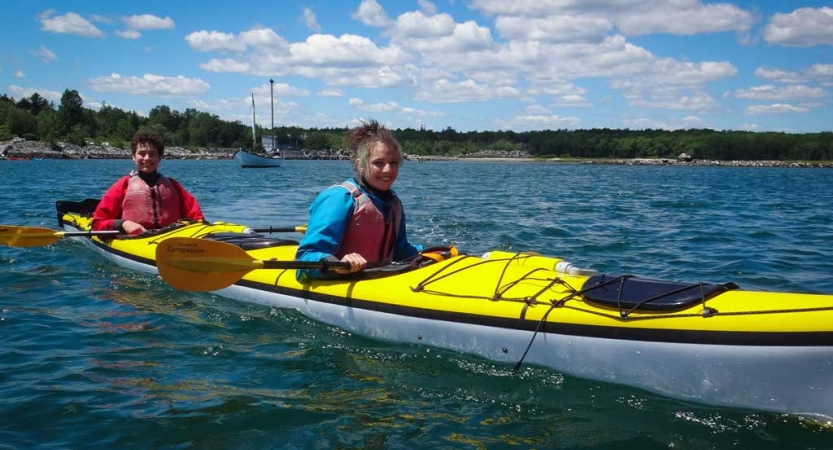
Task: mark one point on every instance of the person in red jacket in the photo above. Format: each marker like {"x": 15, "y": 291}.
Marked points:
{"x": 145, "y": 199}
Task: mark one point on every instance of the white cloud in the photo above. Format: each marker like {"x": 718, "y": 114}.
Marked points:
{"x": 692, "y": 121}
{"x": 817, "y": 72}
{"x": 346, "y": 60}
{"x": 260, "y": 38}
{"x": 778, "y": 75}
{"x": 335, "y": 60}
{"x": 691, "y": 101}
{"x": 770, "y": 92}
{"x": 674, "y": 85}
{"x": 682, "y": 17}
{"x": 804, "y": 27}
{"x": 144, "y": 22}
{"x": 379, "y": 77}
{"x": 69, "y": 23}
{"x": 572, "y": 101}
{"x": 222, "y": 105}
{"x": 427, "y": 7}
{"x": 389, "y": 107}
{"x": 149, "y": 84}
{"x": 777, "y": 108}
{"x": 631, "y": 17}
{"x": 416, "y": 24}
{"x": 225, "y": 65}
{"x": 280, "y": 90}
{"x": 544, "y": 84}
{"x": 148, "y": 22}
{"x": 331, "y": 93}
{"x": 345, "y": 50}
{"x": 44, "y": 54}
{"x": 371, "y": 14}
{"x": 540, "y": 122}
{"x": 21, "y": 92}
{"x": 129, "y": 34}
{"x": 100, "y": 19}
{"x": 554, "y": 28}
{"x": 824, "y": 71}
{"x": 644, "y": 123}
{"x": 537, "y": 110}
{"x": 207, "y": 41}
{"x": 308, "y": 18}
{"x": 373, "y": 107}
{"x": 19, "y": 74}
{"x": 445, "y": 91}
{"x": 439, "y": 34}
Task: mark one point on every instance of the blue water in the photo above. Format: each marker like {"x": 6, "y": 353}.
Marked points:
{"x": 95, "y": 356}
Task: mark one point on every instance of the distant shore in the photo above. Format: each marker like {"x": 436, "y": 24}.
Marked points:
{"x": 27, "y": 150}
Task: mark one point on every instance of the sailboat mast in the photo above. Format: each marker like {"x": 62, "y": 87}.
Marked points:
{"x": 254, "y": 130}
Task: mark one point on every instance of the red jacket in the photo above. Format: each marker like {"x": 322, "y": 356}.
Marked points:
{"x": 108, "y": 214}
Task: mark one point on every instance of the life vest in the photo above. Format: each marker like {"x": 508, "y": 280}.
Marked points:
{"x": 152, "y": 207}
{"x": 367, "y": 232}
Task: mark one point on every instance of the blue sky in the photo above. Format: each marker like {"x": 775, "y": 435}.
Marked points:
{"x": 466, "y": 64}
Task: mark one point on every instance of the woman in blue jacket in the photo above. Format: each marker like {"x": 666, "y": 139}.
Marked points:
{"x": 361, "y": 220}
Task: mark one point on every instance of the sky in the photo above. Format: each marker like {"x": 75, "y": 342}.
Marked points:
{"x": 472, "y": 65}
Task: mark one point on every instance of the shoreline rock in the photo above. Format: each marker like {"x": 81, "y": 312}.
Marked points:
{"x": 22, "y": 149}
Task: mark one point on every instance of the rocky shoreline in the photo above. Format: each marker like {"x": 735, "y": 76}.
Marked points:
{"x": 19, "y": 149}
{"x": 22, "y": 149}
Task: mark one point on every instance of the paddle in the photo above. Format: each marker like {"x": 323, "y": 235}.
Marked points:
{"x": 204, "y": 265}
{"x": 15, "y": 236}
{"x": 298, "y": 229}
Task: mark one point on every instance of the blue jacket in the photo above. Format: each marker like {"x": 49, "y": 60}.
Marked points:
{"x": 328, "y": 217}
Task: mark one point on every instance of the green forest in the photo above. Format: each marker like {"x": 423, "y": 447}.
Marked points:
{"x": 34, "y": 118}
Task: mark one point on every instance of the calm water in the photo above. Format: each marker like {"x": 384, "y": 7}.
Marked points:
{"x": 95, "y": 356}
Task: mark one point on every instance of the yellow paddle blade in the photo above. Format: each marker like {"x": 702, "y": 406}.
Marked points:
{"x": 202, "y": 265}
{"x": 15, "y": 236}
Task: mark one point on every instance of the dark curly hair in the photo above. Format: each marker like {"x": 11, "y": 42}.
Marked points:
{"x": 362, "y": 139}
{"x": 147, "y": 137}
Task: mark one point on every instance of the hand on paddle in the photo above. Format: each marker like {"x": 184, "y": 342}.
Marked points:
{"x": 356, "y": 261}
{"x": 131, "y": 227}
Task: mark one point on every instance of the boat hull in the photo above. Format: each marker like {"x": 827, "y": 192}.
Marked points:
{"x": 764, "y": 360}
{"x": 251, "y": 160}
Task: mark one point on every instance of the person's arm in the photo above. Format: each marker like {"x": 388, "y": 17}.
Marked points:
{"x": 189, "y": 206}
{"x": 107, "y": 215}
{"x": 329, "y": 214}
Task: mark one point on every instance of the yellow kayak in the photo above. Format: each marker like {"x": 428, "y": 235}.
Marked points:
{"x": 710, "y": 343}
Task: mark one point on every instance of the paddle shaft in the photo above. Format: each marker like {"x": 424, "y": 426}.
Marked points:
{"x": 88, "y": 233}
{"x": 305, "y": 265}
{"x": 299, "y": 229}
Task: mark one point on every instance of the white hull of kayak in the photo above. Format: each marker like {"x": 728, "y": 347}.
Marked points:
{"x": 787, "y": 379}
{"x": 713, "y": 374}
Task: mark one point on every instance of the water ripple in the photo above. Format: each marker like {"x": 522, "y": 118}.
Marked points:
{"x": 110, "y": 358}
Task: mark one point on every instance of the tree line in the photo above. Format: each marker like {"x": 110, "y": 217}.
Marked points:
{"x": 35, "y": 118}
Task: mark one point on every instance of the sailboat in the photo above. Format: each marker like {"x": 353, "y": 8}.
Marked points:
{"x": 249, "y": 159}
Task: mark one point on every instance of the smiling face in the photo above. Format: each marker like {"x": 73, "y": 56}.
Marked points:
{"x": 146, "y": 157}
{"x": 382, "y": 167}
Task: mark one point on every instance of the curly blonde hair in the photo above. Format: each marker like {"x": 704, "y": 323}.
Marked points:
{"x": 362, "y": 139}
